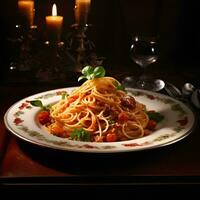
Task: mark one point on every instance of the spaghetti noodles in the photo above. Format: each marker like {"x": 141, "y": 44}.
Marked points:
{"x": 101, "y": 109}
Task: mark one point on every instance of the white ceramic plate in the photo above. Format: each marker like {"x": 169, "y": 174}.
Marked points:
{"x": 178, "y": 122}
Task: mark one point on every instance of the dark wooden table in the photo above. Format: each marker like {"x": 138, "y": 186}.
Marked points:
{"x": 22, "y": 163}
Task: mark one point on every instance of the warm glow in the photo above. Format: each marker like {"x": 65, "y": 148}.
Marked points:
{"x": 54, "y": 25}
{"x": 82, "y": 8}
{"x": 26, "y": 10}
{"x": 54, "y": 10}
{"x": 83, "y": 1}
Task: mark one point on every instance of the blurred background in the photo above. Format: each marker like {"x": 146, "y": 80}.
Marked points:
{"x": 113, "y": 24}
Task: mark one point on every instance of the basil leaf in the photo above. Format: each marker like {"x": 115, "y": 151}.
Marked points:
{"x": 90, "y": 72}
{"x": 119, "y": 87}
{"x": 64, "y": 94}
{"x": 87, "y": 70}
{"x": 36, "y": 103}
{"x": 47, "y": 107}
{"x": 81, "y": 78}
{"x": 156, "y": 116}
{"x": 80, "y": 135}
{"x": 91, "y": 76}
{"x": 99, "y": 72}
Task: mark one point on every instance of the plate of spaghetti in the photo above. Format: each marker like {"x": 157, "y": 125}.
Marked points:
{"x": 100, "y": 116}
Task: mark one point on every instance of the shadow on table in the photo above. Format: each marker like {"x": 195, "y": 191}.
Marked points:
{"x": 151, "y": 162}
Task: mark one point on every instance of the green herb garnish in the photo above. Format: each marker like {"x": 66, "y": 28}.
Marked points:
{"x": 39, "y": 103}
{"x": 64, "y": 95}
{"x": 119, "y": 86}
{"x": 90, "y": 72}
{"x": 80, "y": 135}
{"x": 156, "y": 116}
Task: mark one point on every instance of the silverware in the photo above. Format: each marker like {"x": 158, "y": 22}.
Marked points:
{"x": 195, "y": 98}
{"x": 192, "y": 93}
{"x": 158, "y": 85}
{"x": 188, "y": 95}
{"x": 173, "y": 91}
{"x": 188, "y": 89}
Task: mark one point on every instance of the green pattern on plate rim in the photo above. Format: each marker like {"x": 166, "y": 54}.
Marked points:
{"x": 181, "y": 123}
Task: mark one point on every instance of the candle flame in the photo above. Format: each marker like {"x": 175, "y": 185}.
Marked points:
{"x": 54, "y": 10}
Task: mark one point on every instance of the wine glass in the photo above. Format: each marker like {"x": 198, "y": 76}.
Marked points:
{"x": 144, "y": 51}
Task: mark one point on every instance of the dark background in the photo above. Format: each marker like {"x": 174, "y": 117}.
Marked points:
{"x": 114, "y": 21}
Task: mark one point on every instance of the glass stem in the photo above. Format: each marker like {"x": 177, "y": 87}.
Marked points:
{"x": 142, "y": 78}
{"x": 143, "y": 73}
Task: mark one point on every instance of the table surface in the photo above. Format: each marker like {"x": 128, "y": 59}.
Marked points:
{"x": 28, "y": 163}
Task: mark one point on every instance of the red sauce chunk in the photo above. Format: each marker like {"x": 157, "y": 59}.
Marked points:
{"x": 44, "y": 117}
{"x": 128, "y": 102}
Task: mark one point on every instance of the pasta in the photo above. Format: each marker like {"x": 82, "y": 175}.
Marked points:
{"x": 101, "y": 109}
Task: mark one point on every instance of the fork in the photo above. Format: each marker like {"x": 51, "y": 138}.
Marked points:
{"x": 191, "y": 101}
{"x": 174, "y": 92}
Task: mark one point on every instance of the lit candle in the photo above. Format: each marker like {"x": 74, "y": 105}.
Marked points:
{"x": 82, "y": 8}
{"x": 26, "y": 10}
{"x": 54, "y": 25}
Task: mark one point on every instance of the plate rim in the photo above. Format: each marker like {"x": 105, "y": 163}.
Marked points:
{"x": 85, "y": 150}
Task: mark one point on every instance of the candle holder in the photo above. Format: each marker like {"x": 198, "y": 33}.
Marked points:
{"x": 54, "y": 63}
{"x": 24, "y": 40}
{"x": 81, "y": 48}
{"x": 24, "y": 47}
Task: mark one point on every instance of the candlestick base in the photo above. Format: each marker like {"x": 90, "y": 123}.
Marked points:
{"x": 81, "y": 48}
{"x": 23, "y": 47}
{"x": 55, "y": 63}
